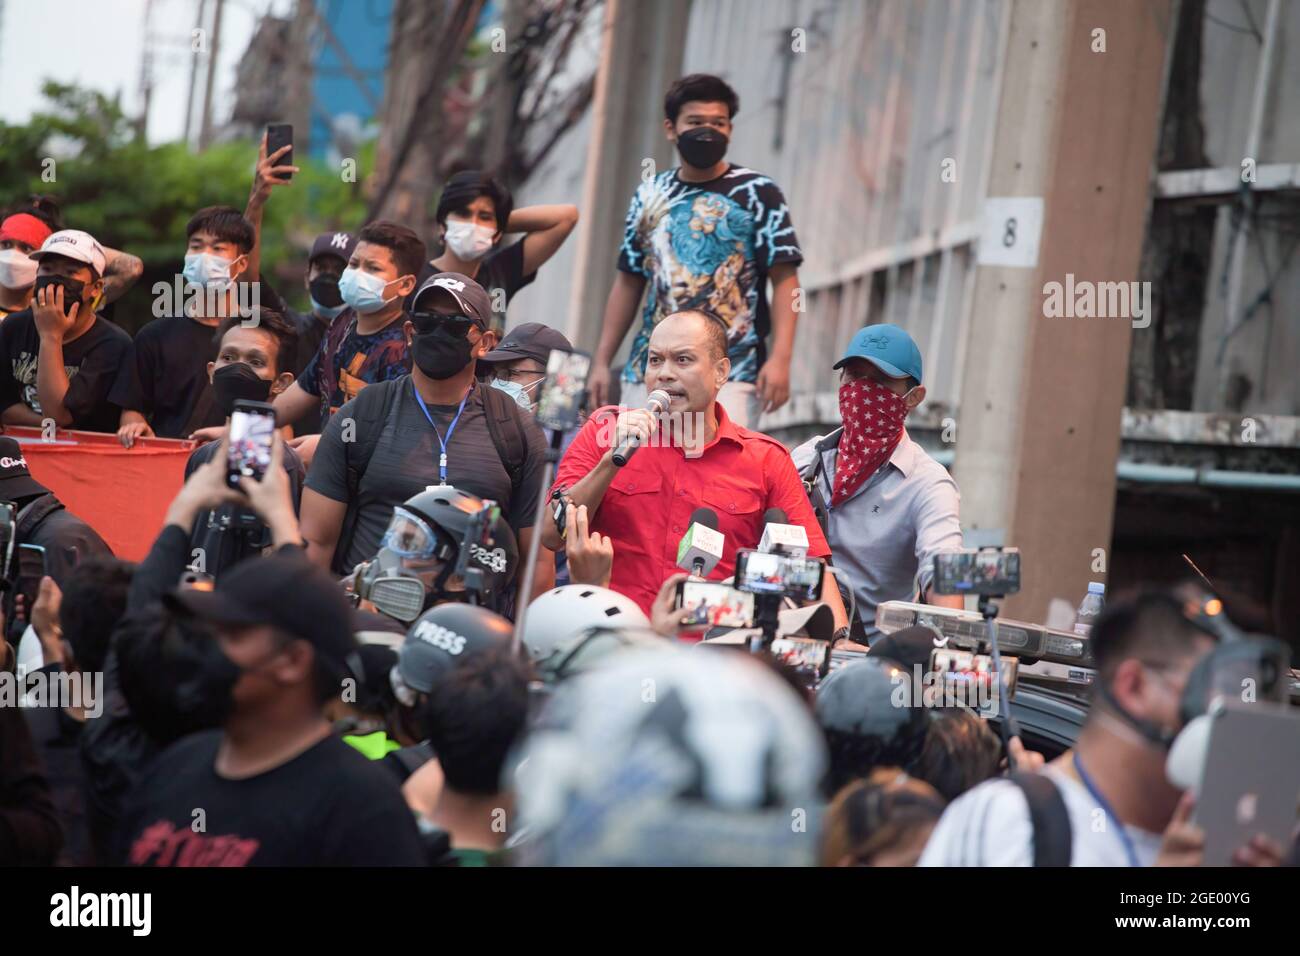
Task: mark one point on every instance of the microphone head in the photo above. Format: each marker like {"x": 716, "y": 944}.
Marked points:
{"x": 774, "y": 516}
{"x": 658, "y": 400}
{"x": 705, "y": 516}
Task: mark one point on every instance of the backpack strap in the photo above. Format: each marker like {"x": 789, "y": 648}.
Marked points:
{"x": 507, "y": 431}
{"x": 369, "y": 416}
{"x": 812, "y": 481}
{"x": 1053, "y": 838}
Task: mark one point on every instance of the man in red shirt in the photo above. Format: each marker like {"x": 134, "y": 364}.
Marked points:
{"x": 695, "y": 456}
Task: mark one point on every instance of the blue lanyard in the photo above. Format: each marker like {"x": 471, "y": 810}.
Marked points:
{"x": 442, "y": 442}
{"x": 1106, "y": 809}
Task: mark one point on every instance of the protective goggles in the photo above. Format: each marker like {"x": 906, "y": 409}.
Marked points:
{"x": 409, "y": 536}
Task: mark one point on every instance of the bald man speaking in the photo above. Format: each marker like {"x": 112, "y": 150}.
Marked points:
{"x": 692, "y": 456}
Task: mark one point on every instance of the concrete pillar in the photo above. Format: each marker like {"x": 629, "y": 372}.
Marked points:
{"x": 641, "y": 54}
{"x": 1039, "y": 427}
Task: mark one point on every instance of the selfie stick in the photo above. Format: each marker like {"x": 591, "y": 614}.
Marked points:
{"x": 1009, "y": 730}
{"x": 530, "y": 566}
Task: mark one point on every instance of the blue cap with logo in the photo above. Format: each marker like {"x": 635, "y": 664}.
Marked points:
{"x": 888, "y": 348}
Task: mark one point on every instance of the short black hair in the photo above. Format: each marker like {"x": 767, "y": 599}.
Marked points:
{"x": 960, "y": 752}
{"x": 44, "y": 208}
{"x": 274, "y": 324}
{"x": 225, "y": 223}
{"x": 405, "y": 246}
{"x": 715, "y": 327}
{"x": 699, "y": 88}
{"x": 464, "y": 187}
{"x": 94, "y": 600}
{"x": 1147, "y": 624}
{"x": 473, "y": 715}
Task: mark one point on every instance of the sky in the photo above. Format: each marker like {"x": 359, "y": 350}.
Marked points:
{"x": 98, "y": 44}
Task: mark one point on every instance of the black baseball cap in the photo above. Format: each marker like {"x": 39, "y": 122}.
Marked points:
{"x": 15, "y": 480}
{"x": 337, "y": 244}
{"x": 470, "y": 297}
{"x": 533, "y": 340}
{"x": 286, "y": 591}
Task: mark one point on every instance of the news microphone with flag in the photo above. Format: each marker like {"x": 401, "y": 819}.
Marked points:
{"x": 656, "y": 403}
{"x": 779, "y": 537}
{"x": 701, "y": 547}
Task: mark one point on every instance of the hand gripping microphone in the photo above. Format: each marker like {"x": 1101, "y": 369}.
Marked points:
{"x": 656, "y": 403}
{"x": 782, "y": 538}
{"x": 701, "y": 547}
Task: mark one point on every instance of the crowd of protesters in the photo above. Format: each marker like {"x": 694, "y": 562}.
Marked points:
{"x": 340, "y": 681}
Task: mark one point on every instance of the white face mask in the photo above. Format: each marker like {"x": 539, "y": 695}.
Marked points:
{"x": 17, "y": 271}
{"x": 468, "y": 241}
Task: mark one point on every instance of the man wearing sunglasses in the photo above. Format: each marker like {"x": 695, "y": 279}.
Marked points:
{"x": 438, "y": 425}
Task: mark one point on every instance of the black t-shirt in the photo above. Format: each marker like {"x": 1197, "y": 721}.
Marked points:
{"x": 230, "y": 533}
{"x": 329, "y": 806}
{"x": 168, "y": 382}
{"x": 93, "y": 361}
{"x": 405, "y": 462}
{"x": 503, "y": 269}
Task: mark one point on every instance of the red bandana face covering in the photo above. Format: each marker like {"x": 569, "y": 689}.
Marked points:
{"x": 873, "y": 424}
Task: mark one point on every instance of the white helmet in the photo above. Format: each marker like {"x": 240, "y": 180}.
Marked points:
{"x": 560, "y": 616}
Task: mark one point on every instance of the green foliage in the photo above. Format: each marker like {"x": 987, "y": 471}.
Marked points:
{"x": 137, "y": 197}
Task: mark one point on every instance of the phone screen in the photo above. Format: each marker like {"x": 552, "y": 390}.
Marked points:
{"x": 966, "y": 678}
{"x": 714, "y": 605}
{"x": 252, "y": 427}
{"x": 987, "y": 571}
{"x": 762, "y": 573}
{"x": 562, "y": 392}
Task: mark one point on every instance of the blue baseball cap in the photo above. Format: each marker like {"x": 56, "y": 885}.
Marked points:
{"x": 888, "y": 348}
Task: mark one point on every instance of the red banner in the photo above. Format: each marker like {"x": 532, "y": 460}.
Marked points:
{"x": 122, "y": 493}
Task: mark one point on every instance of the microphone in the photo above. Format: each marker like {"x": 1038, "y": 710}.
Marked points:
{"x": 701, "y": 546}
{"x": 782, "y": 538}
{"x": 656, "y": 402}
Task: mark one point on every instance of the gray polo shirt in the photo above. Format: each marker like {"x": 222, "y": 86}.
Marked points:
{"x": 886, "y": 535}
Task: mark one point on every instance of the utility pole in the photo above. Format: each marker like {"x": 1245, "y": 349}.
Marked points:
{"x": 194, "y": 73}
{"x": 205, "y": 129}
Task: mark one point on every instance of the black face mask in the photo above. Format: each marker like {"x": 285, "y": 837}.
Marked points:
{"x": 203, "y": 680}
{"x": 237, "y": 381}
{"x": 702, "y": 147}
{"x": 325, "y": 290}
{"x": 441, "y": 353}
{"x": 72, "y": 290}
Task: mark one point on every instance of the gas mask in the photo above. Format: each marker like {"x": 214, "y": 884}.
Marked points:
{"x": 411, "y": 570}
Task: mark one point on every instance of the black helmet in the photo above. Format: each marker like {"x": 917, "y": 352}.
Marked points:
{"x": 444, "y": 636}
{"x": 421, "y": 550}
{"x": 867, "y": 713}
{"x": 452, "y": 512}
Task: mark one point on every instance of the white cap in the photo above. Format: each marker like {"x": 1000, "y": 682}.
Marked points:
{"x": 74, "y": 244}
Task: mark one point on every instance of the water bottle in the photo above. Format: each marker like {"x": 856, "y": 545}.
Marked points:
{"x": 1089, "y": 608}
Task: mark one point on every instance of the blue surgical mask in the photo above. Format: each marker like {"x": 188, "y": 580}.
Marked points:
{"x": 324, "y": 311}
{"x": 363, "y": 291}
{"x": 516, "y": 391}
{"x": 205, "y": 269}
